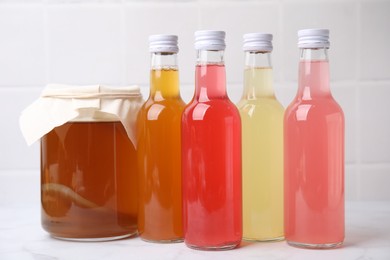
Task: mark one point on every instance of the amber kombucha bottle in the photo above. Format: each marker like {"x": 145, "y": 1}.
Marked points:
{"x": 159, "y": 147}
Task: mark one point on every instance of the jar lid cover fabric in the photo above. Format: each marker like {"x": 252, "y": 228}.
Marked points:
{"x": 59, "y": 104}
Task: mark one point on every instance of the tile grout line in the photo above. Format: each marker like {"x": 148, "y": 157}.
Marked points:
{"x": 123, "y": 80}
{"x": 357, "y": 105}
{"x": 199, "y": 8}
{"x": 281, "y": 39}
{"x": 46, "y": 41}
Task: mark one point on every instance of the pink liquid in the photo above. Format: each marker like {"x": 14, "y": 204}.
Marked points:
{"x": 211, "y": 164}
{"x": 314, "y": 161}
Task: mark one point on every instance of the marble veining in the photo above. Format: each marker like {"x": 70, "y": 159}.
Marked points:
{"x": 21, "y": 237}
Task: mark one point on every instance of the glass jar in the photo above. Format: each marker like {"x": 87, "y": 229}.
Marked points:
{"x": 89, "y": 166}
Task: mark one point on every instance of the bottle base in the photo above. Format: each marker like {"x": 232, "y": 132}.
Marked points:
{"x": 213, "y": 248}
{"x": 315, "y": 246}
{"x": 273, "y": 239}
{"x": 163, "y": 241}
{"x": 97, "y": 239}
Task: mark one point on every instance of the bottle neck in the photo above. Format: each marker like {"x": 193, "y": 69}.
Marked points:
{"x": 210, "y": 75}
{"x": 313, "y": 74}
{"x": 164, "y": 76}
{"x": 258, "y": 75}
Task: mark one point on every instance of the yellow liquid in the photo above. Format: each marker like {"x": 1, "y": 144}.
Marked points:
{"x": 262, "y": 157}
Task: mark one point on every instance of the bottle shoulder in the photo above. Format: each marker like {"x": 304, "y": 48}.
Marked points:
{"x": 167, "y": 109}
{"x": 303, "y": 110}
{"x": 250, "y": 112}
{"x": 328, "y": 102}
{"x": 222, "y": 102}
{"x": 215, "y": 107}
{"x": 166, "y": 102}
{"x": 269, "y": 104}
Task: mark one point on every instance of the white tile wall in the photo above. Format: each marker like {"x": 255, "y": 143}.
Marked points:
{"x": 84, "y": 43}
{"x": 144, "y": 19}
{"x": 374, "y": 182}
{"x": 251, "y": 17}
{"x": 15, "y": 154}
{"x": 375, "y": 42}
{"x": 374, "y": 122}
{"x": 338, "y": 16}
{"x": 22, "y": 53}
{"x": 22, "y": 188}
{"x": 351, "y": 182}
{"x": 106, "y": 41}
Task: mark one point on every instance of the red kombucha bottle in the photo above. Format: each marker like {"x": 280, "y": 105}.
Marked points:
{"x": 211, "y": 154}
{"x": 314, "y": 152}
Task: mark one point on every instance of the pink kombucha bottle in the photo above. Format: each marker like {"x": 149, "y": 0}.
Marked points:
{"x": 211, "y": 154}
{"x": 314, "y": 152}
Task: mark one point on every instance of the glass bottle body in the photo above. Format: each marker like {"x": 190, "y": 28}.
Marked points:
{"x": 211, "y": 154}
{"x": 314, "y": 159}
{"x": 159, "y": 151}
{"x": 262, "y": 151}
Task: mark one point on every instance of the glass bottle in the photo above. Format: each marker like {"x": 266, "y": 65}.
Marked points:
{"x": 211, "y": 153}
{"x": 159, "y": 147}
{"x": 314, "y": 152}
{"x": 262, "y": 144}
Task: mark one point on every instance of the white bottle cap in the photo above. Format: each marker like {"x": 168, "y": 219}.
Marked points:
{"x": 257, "y": 42}
{"x": 210, "y": 40}
{"x": 313, "y": 38}
{"x": 163, "y": 43}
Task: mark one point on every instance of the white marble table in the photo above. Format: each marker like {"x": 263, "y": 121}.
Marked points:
{"x": 21, "y": 236}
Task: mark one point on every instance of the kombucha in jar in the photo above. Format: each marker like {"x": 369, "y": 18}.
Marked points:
{"x": 88, "y": 163}
{"x": 89, "y": 181}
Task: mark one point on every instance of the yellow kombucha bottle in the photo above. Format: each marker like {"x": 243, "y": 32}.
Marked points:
{"x": 159, "y": 147}
{"x": 262, "y": 144}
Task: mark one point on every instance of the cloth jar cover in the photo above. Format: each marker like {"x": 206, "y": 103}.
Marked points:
{"x": 59, "y": 104}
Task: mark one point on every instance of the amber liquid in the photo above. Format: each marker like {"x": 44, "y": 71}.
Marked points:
{"x": 159, "y": 160}
{"x": 89, "y": 181}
